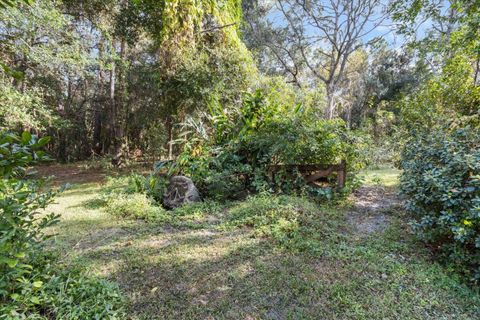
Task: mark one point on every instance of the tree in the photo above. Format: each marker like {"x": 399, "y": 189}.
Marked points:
{"x": 317, "y": 38}
{"x": 450, "y": 27}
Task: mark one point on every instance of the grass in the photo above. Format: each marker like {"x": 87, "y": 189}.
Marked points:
{"x": 200, "y": 269}
{"x": 385, "y": 176}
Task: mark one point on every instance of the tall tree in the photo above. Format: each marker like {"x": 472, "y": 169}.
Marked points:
{"x": 316, "y": 38}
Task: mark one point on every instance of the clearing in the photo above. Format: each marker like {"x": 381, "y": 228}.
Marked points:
{"x": 369, "y": 265}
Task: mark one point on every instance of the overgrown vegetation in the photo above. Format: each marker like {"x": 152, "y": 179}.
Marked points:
{"x": 441, "y": 164}
{"x": 31, "y": 285}
{"x": 257, "y": 117}
{"x": 218, "y": 264}
{"x": 244, "y": 147}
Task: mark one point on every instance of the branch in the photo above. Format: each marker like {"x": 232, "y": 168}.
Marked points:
{"x": 217, "y": 28}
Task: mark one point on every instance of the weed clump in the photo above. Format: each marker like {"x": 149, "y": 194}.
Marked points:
{"x": 291, "y": 222}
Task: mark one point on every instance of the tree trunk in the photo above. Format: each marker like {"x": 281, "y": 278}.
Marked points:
{"x": 113, "y": 114}
{"x": 349, "y": 116}
{"x": 476, "y": 80}
{"x": 97, "y": 142}
{"x": 169, "y": 127}
{"x": 97, "y": 130}
{"x": 116, "y": 104}
{"x": 330, "y": 101}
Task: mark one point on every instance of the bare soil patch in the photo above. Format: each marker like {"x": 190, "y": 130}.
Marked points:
{"x": 371, "y": 204}
{"x": 73, "y": 173}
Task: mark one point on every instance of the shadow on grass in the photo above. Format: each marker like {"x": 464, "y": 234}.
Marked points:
{"x": 91, "y": 204}
{"x": 172, "y": 273}
{"x": 248, "y": 280}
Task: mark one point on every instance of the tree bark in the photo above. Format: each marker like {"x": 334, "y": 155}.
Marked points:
{"x": 116, "y": 101}
{"x": 169, "y": 127}
{"x": 98, "y": 145}
{"x": 330, "y": 101}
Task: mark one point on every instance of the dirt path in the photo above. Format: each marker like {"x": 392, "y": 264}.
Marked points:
{"x": 371, "y": 205}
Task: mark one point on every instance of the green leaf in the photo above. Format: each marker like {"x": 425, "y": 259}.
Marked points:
{"x": 37, "y": 284}
{"x": 35, "y": 300}
{"x": 20, "y": 255}
{"x": 42, "y": 142}
{"x": 12, "y": 263}
{"x": 14, "y": 296}
{"x": 26, "y": 137}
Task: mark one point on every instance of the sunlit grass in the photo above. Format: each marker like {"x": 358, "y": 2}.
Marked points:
{"x": 204, "y": 271}
{"x": 384, "y": 176}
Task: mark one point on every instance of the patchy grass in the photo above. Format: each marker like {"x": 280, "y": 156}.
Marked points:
{"x": 216, "y": 261}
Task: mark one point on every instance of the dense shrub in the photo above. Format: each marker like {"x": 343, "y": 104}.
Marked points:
{"x": 442, "y": 179}
{"x": 441, "y": 163}
{"x": 21, "y": 227}
{"x": 236, "y": 157}
{"x": 152, "y": 185}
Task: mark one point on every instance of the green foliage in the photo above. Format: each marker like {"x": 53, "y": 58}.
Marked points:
{"x": 21, "y": 226}
{"x": 18, "y": 152}
{"x": 75, "y": 296}
{"x": 60, "y": 294}
{"x": 245, "y": 145}
{"x": 153, "y": 186}
{"x": 23, "y": 109}
{"x": 13, "y": 3}
{"x": 442, "y": 179}
{"x": 293, "y": 223}
{"x": 451, "y": 95}
{"x": 269, "y": 217}
{"x": 441, "y": 163}
{"x": 136, "y": 206}
{"x": 196, "y": 209}
{"x": 30, "y": 286}
{"x": 128, "y": 198}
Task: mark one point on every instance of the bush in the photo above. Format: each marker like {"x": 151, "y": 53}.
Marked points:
{"x": 441, "y": 177}
{"x": 151, "y": 185}
{"x": 21, "y": 227}
{"x": 136, "y": 206}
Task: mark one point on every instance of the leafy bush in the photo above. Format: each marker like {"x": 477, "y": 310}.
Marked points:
{"x": 152, "y": 185}
{"x": 441, "y": 163}
{"x": 21, "y": 227}
{"x": 442, "y": 179}
{"x": 136, "y": 205}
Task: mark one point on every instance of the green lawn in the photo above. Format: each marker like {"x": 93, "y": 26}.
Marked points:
{"x": 205, "y": 271}
{"x": 384, "y": 176}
